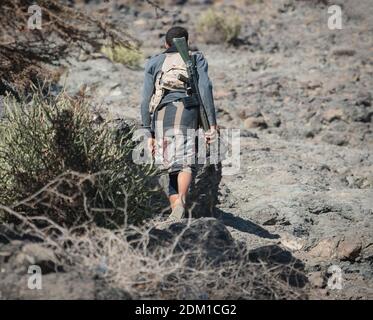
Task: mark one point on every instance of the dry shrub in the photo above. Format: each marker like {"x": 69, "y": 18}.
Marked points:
{"x": 129, "y": 57}
{"x": 219, "y": 26}
{"x": 55, "y": 141}
{"x": 25, "y": 54}
{"x": 122, "y": 261}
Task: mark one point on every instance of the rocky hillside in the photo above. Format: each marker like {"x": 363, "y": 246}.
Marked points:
{"x": 302, "y": 96}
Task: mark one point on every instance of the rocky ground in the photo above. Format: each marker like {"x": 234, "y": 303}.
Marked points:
{"x": 302, "y": 96}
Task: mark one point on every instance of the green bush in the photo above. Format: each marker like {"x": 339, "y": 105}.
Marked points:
{"x": 128, "y": 56}
{"x": 217, "y": 27}
{"x": 69, "y": 167}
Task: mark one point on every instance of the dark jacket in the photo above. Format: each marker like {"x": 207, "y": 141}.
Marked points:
{"x": 154, "y": 65}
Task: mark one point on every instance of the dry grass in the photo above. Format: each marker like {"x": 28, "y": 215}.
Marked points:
{"x": 127, "y": 56}
{"x": 219, "y": 26}
{"x": 64, "y": 176}
{"x": 130, "y": 260}
{"x": 25, "y": 54}
{"x": 55, "y": 141}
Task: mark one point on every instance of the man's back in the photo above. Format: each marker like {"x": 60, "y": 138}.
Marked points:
{"x": 170, "y": 110}
{"x": 154, "y": 67}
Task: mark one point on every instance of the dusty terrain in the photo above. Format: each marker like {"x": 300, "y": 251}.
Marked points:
{"x": 302, "y": 96}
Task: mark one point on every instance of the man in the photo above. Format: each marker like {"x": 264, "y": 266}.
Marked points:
{"x": 165, "y": 114}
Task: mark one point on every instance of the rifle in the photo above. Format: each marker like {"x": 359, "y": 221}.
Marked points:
{"x": 192, "y": 80}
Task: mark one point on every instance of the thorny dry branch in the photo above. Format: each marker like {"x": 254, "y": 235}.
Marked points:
{"x": 24, "y": 53}
{"x": 123, "y": 260}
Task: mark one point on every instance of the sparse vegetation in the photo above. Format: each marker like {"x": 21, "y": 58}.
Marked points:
{"x": 136, "y": 263}
{"x": 128, "y": 56}
{"x": 219, "y": 26}
{"x": 87, "y": 166}
{"x": 64, "y": 29}
{"x": 65, "y": 176}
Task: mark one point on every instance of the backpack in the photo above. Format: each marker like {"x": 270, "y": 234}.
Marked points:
{"x": 167, "y": 78}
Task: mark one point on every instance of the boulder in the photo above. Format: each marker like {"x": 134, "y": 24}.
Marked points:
{"x": 291, "y": 242}
{"x": 248, "y": 111}
{"x": 335, "y": 138}
{"x": 337, "y": 248}
{"x": 325, "y": 249}
{"x": 271, "y": 119}
{"x": 224, "y": 94}
{"x": 253, "y": 122}
{"x": 266, "y": 215}
{"x": 364, "y": 99}
{"x": 244, "y": 133}
{"x": 333, "y": 114}
{"x": 349, "y": 249}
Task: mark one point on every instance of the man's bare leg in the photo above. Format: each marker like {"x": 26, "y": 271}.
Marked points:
{"x": 177, "y": 201}
{"x": 184, "y": 180}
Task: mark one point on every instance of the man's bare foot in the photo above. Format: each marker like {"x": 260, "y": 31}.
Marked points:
{"x": 178, "y": 212}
